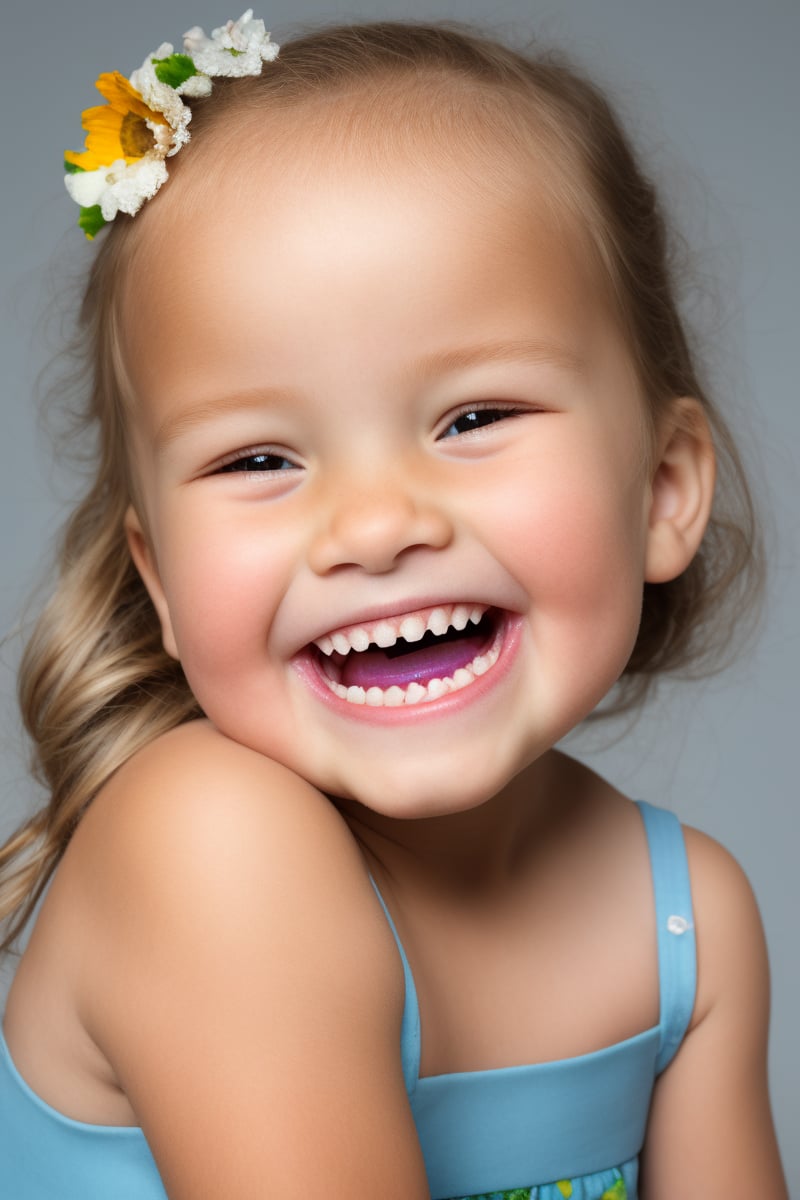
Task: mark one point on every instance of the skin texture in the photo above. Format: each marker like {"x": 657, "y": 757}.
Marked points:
{"x": 228, "y": 956}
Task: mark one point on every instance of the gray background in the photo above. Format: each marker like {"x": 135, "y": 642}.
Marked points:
{"x": 710, "y": 89}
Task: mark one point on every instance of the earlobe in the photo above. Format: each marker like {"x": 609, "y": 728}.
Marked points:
{"x": 682, "y": 491}
{"x": 146, "y": 565}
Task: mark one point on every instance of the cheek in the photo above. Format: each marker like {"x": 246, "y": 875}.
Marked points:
{"x": 590, "y": 549}
{"x": 572, "y": 535}
{"x": 222, "y": 590}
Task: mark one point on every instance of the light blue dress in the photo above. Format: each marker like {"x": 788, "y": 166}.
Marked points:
{"x": 572, "y": 1128}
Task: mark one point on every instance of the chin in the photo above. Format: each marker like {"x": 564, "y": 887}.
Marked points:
{"x": 419, "y": 794}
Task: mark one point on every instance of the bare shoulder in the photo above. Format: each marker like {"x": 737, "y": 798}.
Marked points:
{"x": 710, "y": 1131}
{"x": 195, "y": 767}
{"x": 197, "y": 824}
{"x": 236, "y": 956}
{"x": 731, "y": 948}
{"x": 194, "y": 793}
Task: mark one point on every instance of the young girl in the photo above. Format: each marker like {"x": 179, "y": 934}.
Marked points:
{"x": 403, "y": 465}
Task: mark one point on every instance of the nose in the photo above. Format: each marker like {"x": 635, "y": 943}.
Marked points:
{"x": 372, "y": 527}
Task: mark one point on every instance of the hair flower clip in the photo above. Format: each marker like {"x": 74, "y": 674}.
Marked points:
{"x": 145, "y": 119}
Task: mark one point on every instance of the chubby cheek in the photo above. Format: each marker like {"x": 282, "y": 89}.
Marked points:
{"x": 590, "y": 608}
{"x": 574, "y": 541}
{"x": 221, "y": 594}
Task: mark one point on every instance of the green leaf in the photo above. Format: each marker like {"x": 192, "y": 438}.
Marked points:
{"x": 91, "y": 220}
{"x": 72, "y": 168}
{"x": 174, "y": 70}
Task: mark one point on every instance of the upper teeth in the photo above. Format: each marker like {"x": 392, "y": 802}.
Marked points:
{"x": 411, "y": 628}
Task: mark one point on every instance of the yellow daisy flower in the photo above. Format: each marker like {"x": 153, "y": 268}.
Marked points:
{"x": 146, "y": 118}
{"x": 117, "y": 129}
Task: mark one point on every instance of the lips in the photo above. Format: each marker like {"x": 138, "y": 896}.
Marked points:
{"x": 410, "y": 659}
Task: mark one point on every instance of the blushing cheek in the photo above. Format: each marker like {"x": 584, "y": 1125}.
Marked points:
{"x": 586, "y": 613}
{"x": 221, "y": 612}
{"x": 575, "y": 545}
{"x": 591, "y": 552}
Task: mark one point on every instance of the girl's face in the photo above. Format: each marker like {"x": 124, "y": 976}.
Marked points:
{"x": 372, "y": 404}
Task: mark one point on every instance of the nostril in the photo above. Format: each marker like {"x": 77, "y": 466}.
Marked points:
{"x": 375, "y": 531}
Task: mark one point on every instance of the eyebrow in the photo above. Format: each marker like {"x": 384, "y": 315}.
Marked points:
{"x": 252, "y": 398}
{"x": 521, "y": 350}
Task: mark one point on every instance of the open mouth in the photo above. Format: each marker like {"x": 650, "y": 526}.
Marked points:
{"x": 412, "y": 659}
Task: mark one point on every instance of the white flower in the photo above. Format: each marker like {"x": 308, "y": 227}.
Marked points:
{"x": 235, "y": 49}
{"x": 129, "y": 188}
{"x": 86, "y": 187}
{"x": 164, "y": 99}
{"x": 122, "y": 187}
{"x": 195, "y": 87}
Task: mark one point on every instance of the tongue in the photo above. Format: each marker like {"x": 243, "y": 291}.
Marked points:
{"x": 372, "y": 668}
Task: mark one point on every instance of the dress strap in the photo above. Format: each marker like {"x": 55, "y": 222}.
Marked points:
{"x": 410, "y": 1029}
{"x": 677, "y": 955}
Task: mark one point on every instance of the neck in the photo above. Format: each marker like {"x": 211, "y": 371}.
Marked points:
{"x": 478, "y": 851}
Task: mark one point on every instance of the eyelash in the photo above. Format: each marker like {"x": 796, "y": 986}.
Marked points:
{"x": 257, "y": 462}
{"x": 497, "y": 412}
{"x": 243, "y": 463}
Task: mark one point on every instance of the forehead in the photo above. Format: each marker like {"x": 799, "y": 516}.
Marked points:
{"x": 321, "y": 217}
{"x": 472, "y": 142}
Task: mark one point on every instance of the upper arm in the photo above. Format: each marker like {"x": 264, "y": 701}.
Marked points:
{"x": 710, "y": 1131}
{"x": 245, "y": 988}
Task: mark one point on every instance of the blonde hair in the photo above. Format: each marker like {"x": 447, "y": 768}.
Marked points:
{"x": 95, "y": 681}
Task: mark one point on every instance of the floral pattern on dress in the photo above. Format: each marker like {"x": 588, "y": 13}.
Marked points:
{"x": 607, "y": 1185}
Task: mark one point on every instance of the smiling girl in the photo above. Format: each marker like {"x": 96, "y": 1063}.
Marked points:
{"x": 403, "y": 464}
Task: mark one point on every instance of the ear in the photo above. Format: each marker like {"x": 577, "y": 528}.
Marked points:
{"x": 143, "y": 557}
{"x": 682, "y": 491}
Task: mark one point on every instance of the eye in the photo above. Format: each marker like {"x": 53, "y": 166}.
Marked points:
{"x": 478, "y": 416}
{"x": 257, "y": 462}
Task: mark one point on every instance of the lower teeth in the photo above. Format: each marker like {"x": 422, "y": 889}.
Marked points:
{"x": 417, "y": 693}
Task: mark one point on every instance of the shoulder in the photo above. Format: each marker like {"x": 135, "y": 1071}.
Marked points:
{"x": 710, "y": 1118}
{"x": 234, "y": 954}
{"x": 195, "y": 767}
{"x": 193, "y": 790}
{"x": 731, "y": 948}
{"x": 200, "y": 843}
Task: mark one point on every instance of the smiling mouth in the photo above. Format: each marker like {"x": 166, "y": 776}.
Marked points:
{"x": 413, "y": 659}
